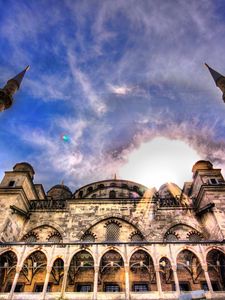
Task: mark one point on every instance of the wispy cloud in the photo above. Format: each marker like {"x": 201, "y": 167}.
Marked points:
{"x": 128, "y": 71}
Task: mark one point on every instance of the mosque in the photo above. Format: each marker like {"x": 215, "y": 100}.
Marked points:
{"x": 113, "y": 239}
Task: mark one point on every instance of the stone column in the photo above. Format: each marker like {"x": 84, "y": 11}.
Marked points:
{"x": 176, "y": 279}
{"x": 95, "y": 288}
{"x": 205, "y": 268}
{"x": 127, "y": 282}
{"x": 64, "y": 281}
{"x": 48, "y": 269}
{"x": 18, "y": 269}
{"x": 157, "y": 268}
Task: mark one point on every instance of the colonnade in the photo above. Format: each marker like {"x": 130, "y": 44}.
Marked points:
{"x": 175, "y": 254}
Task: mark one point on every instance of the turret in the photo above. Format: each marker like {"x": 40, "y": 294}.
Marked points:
{"x": 208, "y": 195}
{"x": 7, "y": 92}
{"x": 219, "y": 80}
{"x": 204, "y": 176}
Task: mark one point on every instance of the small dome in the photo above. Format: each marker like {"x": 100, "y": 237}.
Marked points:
{"x": 59, "y": 191}
{"x": 202, "y": 165}
{"x": 24, "y": 167}
{"x": 169, "y": 189}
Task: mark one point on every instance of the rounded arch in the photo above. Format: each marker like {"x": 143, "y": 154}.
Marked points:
{"x": 111, "y": 248}
{"x": 105, "y": 218}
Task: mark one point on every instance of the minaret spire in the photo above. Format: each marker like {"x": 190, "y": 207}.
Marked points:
{"x": 219, "y": 80}
{"x": 7, "y": 92}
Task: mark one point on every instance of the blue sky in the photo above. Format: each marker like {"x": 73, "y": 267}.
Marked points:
{"x": 112, "y": 75}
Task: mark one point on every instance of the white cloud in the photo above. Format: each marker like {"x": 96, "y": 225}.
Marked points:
{"x": 120, "y": 90}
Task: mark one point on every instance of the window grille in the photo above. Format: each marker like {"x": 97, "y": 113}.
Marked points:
{"x": 194, "y": 236}
{"x": 31, "y": 238}
{"x": 136, "y": 237}
{"x": 55, "y": 238}
{"x": 84, "y": 288}
{"x": 88, "y": 237}
{"x": 112, "y": 231}
{"x": 171, "y": 236}
{"x": 140, "y": 287}
{"x": 112, "y": 288}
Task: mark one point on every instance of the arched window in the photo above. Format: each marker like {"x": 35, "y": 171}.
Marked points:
{"x": 112, "y": 194}
{"x": 136, "y": 236}
{"x": 55, "y": 237}
{"x": 90, "y": 189}
{"x": 194, "y": 236}
{"x": 171, "y": 236}
{"x": 101, "y": 186}
{"x": 30, "y": 237}
{"x": 112, "y": 231}
{"x": 88, "y": 237}
{"x": 80, "y": 195}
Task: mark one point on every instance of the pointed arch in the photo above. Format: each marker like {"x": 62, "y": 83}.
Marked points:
{"x": 142, "y": 271}
{"x": 118, "y": 216}
{"x": 81, "y": 272}
{"x": 189, "y": 267}
{"x": 8, "y": 263}
{"x": 216, "y": 268}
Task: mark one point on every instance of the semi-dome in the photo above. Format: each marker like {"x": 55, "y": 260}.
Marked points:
{"x": 202, "y": 165}
{"x": 24, "y": 167}
{"x": 59, "y": 191}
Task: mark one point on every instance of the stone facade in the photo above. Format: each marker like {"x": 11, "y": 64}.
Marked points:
{"x": 113, "y": 239}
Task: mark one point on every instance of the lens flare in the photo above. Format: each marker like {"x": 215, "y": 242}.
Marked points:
{"x": 65, "y": 138}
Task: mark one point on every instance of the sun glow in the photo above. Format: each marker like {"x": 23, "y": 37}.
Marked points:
{"x": 160, "y": 160}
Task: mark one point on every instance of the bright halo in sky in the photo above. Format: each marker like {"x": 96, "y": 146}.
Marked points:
{"x": 159, "y": 161}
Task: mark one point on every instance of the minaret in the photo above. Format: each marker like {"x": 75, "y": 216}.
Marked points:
{"x": 7, "y": 92}
{"x": 219, "y": 80}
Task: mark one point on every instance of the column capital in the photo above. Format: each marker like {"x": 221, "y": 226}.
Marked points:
{"x": 18, "y": 268}
{"x": 174, "y": 268}
{"x": 49, "y": 269}
{"x": 157, "y": 268}
{"x": 96, "y": 267}
{"x": 205, "y": 267}
{"x": 126, "y": 267}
